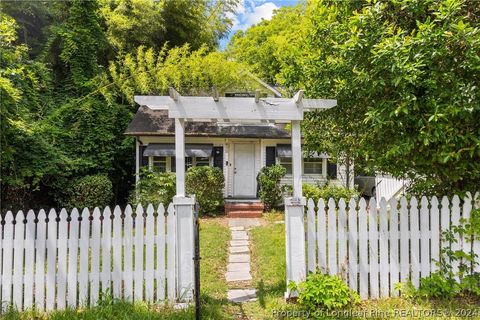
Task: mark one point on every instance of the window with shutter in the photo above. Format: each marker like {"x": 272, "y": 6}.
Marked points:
{"x": 270, "y": 154}
{"x": 218, "y": 157}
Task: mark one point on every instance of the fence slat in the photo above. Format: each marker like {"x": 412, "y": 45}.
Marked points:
{"x": 95, "y": 257}
{"x": 128, "y": 255}
{"x": 73, "y": 258}
{"x": 171, "y": 235}
{"x": 160, "y": 243}
{"x": 138, "y": 276}
{"x": 476, "y": 240}
{"x": 352, "y": 245}
{"x": 149, "y": 253}
{"x": 373, "y": 248}
{"x": 445, "y": 226}
{"x": 29, "y": 259}
{"x": 455, "y": 216}
{"x": 466, "y": 241}
{"x": 363, "y": 249}
{"x": 18, "y": 246}
{"x": 40, "y": 247}
{"x": 62, "y": 259}
{"x": 394, "y": 247}
{"x": 383, "y": 249}
{"x": 342, "y": 239}
{"x": 332, "y": 237}
{"x": 414, "y": 242}
{"x": 106, "y": 246}
{"x": 7, "y": 257}
{"x": 435, "y": 234}
{"x": 322, "y": 236}
{"x": 424, "y": 238}
{"x": 51, "y": 260}
{"x": 117, "y": 253}
{"x": 83, "y": 281}
{"x": 311, "y": 237}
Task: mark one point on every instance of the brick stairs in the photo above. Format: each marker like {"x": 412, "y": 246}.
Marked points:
{"x": 243, "y": 208}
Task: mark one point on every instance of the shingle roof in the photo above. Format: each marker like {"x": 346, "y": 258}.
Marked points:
{"x": 157, "y": 123}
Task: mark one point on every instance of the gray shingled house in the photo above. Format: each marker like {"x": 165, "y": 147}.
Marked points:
{"x": 240, "y": 150}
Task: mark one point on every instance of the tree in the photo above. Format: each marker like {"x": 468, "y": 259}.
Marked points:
{"x": 190, "y": 72}
{"x": 262, "y": 47}
{"x": 406, "y": 78}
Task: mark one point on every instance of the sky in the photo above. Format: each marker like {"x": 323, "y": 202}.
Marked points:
{"x": 250, "y": 12}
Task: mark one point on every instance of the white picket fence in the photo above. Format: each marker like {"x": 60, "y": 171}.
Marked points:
{"x": 374, "y": 248}
{"x": 388, "y": 187}
{"x": 51, "y": 261}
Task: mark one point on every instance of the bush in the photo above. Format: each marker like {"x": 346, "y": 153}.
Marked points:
{"x": 329, "y": 191}
{"x": 269, "y": 182}
{"x": 89, "y": 191}
{"x": 207, "y": 184}
{"x": 154, "y": 187}
{"x": 324, "y": 291}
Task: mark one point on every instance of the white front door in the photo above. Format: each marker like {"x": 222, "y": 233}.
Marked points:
{"x": 244, "y": 170}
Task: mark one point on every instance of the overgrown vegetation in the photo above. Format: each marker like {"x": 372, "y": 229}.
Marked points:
{"x": 405, "y": 75}
{"x": 68, "y": 73}
{"x": 269, "y": 184}
{"x": 329, "y": 191}
{"x": 207, "y": 184}
{"x": 154, "y": 187}
{"x": 324, "y": 291}
{"x": 89, "y": 192}
{"x": 448, "y": 282}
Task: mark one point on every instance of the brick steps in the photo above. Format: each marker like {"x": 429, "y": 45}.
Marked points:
{"x": 244, "y": 209}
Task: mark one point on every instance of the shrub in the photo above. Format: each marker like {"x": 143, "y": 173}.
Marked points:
{"x": 336, "y": 192}
{"x": 269, "y": 182}
{"x": 207, "y": 184}
{"x": 311, "y": 192}
{"x": 154, "y": 187}
{"x": 89, "y": 191}
{"x": 324, "y": 291}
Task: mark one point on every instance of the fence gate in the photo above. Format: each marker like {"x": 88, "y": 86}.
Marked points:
{"x": 69, "y": 259}
{"x": 373, "y": 248}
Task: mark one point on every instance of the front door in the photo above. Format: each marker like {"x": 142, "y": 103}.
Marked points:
{"x": 244, "y": 170}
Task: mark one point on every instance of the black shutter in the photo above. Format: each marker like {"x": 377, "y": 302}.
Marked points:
{"x": 143, "y": 160}
{"x": 270, "y": 154}
{"x": 218, "y": 157}
{"x": 331, "y": 170}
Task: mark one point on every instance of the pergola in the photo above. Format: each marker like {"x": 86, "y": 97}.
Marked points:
{"x": 236, "y": 109}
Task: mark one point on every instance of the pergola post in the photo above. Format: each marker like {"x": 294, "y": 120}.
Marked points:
{"x": 294, "y": 215}
{"x": 180, "y": 156}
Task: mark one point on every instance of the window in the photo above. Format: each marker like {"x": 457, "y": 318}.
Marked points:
{"x": 287, "y": 164}
{"x": 190, "y": 162}
{"x": 312, "y": 166}
{"x": 202, "y": 161}
{"x": 159, "y": 163}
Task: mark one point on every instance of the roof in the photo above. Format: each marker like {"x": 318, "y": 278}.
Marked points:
{"x": 148, "y": 122}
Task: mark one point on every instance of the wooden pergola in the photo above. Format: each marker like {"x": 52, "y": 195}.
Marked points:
{"x": 237, "y": 109}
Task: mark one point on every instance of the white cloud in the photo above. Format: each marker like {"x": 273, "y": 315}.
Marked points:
{"x": 249, "y": 13}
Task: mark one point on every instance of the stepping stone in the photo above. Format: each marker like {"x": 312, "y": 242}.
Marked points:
{"x": 239, "y": 235}
{"x": 238, "y": 276}
{"x": 239, "y": 266}
{"x": 237, "y": 228}
{"x": 243, "y": 249}
{"x": 241, "y": 295}
{"x": 238, "y": 243}
{"x": 239, "y": 258}
{"x": 280, "y": 222}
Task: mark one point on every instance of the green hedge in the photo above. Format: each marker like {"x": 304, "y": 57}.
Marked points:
{"x": 271, "y": 191}
{"x": 89, "y": 191}
{"x": 329, "y": 191}
{"x": 207, "y": 184}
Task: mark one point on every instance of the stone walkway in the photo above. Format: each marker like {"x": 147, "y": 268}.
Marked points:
{"x": 238, "y": 269}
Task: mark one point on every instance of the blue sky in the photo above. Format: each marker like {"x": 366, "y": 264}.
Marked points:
{"x": 251, "y": 12}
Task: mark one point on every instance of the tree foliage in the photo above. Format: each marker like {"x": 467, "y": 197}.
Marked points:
{"x": 406, "y": 77}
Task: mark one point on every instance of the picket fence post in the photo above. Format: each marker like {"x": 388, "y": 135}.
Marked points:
{"x": 295, "y": 242}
